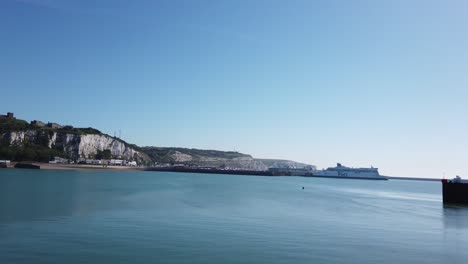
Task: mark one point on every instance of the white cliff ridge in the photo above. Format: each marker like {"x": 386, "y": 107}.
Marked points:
{"x": 77, "y": 146}
{"x": 90, "y": 143}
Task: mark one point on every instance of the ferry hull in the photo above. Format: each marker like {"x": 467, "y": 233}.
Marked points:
{"x": 454, "y": 193}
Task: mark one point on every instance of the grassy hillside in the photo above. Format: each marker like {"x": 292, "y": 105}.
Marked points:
{"x": 215, "y": 158}
{"x": 277, "y": 163}
{"x": 10, "y": 125}
{"x": 168, "y": 155}
{"x": 206, "y": 158}
{"x": 37, "y": 149}
{"x": 30, "y": 151}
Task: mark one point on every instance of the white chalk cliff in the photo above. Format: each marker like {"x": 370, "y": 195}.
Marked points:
{"x": 76, "y": 145}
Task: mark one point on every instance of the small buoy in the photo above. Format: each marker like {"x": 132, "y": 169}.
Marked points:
{"x": 302, "y": 187}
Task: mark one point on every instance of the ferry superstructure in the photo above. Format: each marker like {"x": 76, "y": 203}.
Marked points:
{"x": 341, "y": 171}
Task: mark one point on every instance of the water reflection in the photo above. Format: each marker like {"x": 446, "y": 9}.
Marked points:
{"x": 25, "y": 196}
{"x": 456, "y": 216}
{"x": 143, "y": 217}
{"x": 35, "y": 195}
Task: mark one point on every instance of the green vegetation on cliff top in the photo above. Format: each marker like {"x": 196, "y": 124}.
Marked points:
{"x": 164, "y": 154}
{"x": 11, "y": 125}
{"x": 39, "y": 150}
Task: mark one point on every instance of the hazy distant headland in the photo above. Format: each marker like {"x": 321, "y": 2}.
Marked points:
{"x": 42, "y": 142}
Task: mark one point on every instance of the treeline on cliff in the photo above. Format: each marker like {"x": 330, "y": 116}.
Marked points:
{"x": 9, "y": 125}
{"x": 165, "y": 154}
{"x": 38, "y": 150}
{"x": 29, "y": 153}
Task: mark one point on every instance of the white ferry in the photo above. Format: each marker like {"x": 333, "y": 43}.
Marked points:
{"x": 341, "y": 171}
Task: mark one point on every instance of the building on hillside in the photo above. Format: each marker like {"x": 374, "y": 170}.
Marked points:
{"x": 9, "y": 115}
{"x": 38, "y": 123}
{"x": 54, "y": 125}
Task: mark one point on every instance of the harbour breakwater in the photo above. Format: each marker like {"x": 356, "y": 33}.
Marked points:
{"x": 269, "y": 172}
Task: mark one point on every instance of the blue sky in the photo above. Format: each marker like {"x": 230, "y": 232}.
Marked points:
{"x": 380, "y": 83}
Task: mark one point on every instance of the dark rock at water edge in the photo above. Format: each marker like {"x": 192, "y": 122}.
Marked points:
{"x": 454, "y": 193}
{"x": 26, "y": 166}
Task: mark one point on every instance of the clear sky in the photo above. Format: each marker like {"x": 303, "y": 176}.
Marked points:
{"x": 382, "y": 83}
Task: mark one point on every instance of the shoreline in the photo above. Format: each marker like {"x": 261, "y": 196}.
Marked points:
{"x": 83, "y": 167}
{"x": 412, "y": 178}
{"x": 79, "y": 167}
{"x": 86, "y": 167}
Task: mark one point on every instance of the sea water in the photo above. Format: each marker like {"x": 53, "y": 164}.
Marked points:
{"x": 161, "y": 217}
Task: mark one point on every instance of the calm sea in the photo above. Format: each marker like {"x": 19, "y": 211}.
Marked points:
{"x": 158, "y": 217}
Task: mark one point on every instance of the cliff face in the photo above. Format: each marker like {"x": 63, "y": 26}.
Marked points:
{"x": 36, "y": 141}
{"x": 213, "y": 158}
{"x": 275, "y": 163}
{"x": 218, "y": 159}
{"x": 76, "y": 146}
{"x": 90, "y": 143}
